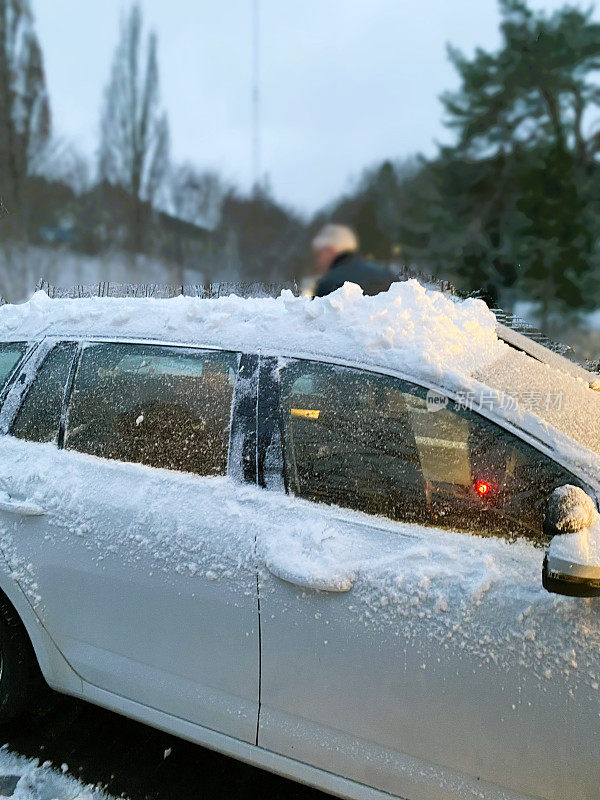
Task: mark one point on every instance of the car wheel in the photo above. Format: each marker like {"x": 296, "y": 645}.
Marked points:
{"x": 20, "y": 677}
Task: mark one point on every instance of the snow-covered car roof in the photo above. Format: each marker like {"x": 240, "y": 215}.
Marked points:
{"x": 440, "y": 340}
{"x": 409, "y": 327}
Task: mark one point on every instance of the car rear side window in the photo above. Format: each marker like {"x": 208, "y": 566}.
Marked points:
{"x": 10, "y": 355}
{"x": 38, "y": 419}
{"x": 371, "y": 442}
{"x": 162, "y": 406}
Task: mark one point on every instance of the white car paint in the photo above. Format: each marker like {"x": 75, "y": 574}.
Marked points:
{"x": 146, "y": 588}
{"x": 446, "y": 649}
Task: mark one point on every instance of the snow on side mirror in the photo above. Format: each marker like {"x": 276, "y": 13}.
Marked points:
{"x": 572, "y": 561}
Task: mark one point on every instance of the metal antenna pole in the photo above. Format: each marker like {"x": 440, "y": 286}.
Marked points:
{"x": 256, "y": 92}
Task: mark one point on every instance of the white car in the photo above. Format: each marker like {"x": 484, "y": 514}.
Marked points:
{"x": 308, "y": 534}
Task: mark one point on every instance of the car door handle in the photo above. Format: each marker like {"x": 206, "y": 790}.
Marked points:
{"x": 23, "y": 507}
{"x": 340, "y": 582}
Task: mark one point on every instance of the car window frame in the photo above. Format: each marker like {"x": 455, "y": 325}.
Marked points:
{"x": 30, "y": 348}
{"x": 234, "y": 469}
{"x": 31, "y": 383}
{"x": 22, "y": 380}
{"x": 270, "y": 386}
{"x": 241, "y": 461}
{"x": 263, "y": 368}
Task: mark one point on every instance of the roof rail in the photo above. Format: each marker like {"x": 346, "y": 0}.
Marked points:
{"x": 207, "y": 290}
{"x": 519, "y": 325}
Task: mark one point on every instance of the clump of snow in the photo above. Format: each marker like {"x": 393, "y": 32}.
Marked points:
{"x": 26, "y": 779}
{"x": 315, "y": 557}
{"x": 407, "y": 327}
{"x": 580, "y": 548}
{"x": 571, "y": 509}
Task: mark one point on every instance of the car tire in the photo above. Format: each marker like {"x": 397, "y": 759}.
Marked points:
{"x": 20, "y": 677}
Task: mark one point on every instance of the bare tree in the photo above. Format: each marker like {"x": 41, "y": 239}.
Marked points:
{"x": 24, "y": 103}
{"x": 196, "y": 196}
{"x": 61, "y": 160}
{"x": 134, "y": 136}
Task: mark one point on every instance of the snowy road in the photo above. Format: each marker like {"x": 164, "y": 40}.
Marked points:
{"x": 113, "y": 756}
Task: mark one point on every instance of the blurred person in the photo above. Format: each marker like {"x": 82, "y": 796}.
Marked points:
{"x": 338, "y": 260}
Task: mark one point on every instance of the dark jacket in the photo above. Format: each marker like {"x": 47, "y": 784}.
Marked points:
{"x": 373, "y": 278}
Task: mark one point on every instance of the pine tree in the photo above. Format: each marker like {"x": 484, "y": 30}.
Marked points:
{"x": 514, "y": 200}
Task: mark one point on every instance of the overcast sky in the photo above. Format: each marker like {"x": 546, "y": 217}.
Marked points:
{"x": 344, "y": 83}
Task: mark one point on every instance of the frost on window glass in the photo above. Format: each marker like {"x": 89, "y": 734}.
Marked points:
{"x": 161, "y": 406}
{"x": 10, "y": 355}
{"x": 369, "y": 442}
{"x": 38, "y": 418}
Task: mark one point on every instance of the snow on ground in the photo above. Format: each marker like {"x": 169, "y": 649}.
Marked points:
{"x": 408, "y": 327}
{"x": 26, "y": 779}
{"x": 23, "y": 265}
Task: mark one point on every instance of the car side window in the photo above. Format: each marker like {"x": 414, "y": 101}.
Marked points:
{"x": 10, "y": 355}
{"x": 162, "y": 406}
{"x": 371, "y": 442}
{"x": 38, "y": 419}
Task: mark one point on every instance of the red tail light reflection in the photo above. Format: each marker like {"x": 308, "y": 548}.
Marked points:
{"x": 483, "y": 488}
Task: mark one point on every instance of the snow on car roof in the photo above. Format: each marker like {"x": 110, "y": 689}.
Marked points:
{"x": 546, "y": 398}
{"x": 408, "y": 328}
{"x": 420, "y": 332}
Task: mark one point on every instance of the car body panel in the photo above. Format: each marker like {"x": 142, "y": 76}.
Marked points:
{"x": 447, "y": 650}
{"x": 420, "y": 780}
{"x": 130, "y": 572}
{"x": 53, "y": 665}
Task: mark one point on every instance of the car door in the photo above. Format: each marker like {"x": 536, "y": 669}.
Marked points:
{"x": 406, "y": 640}
{"x": 127, "y": 531}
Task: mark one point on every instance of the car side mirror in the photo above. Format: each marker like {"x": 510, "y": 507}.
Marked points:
{"x": 572, "y": 561}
